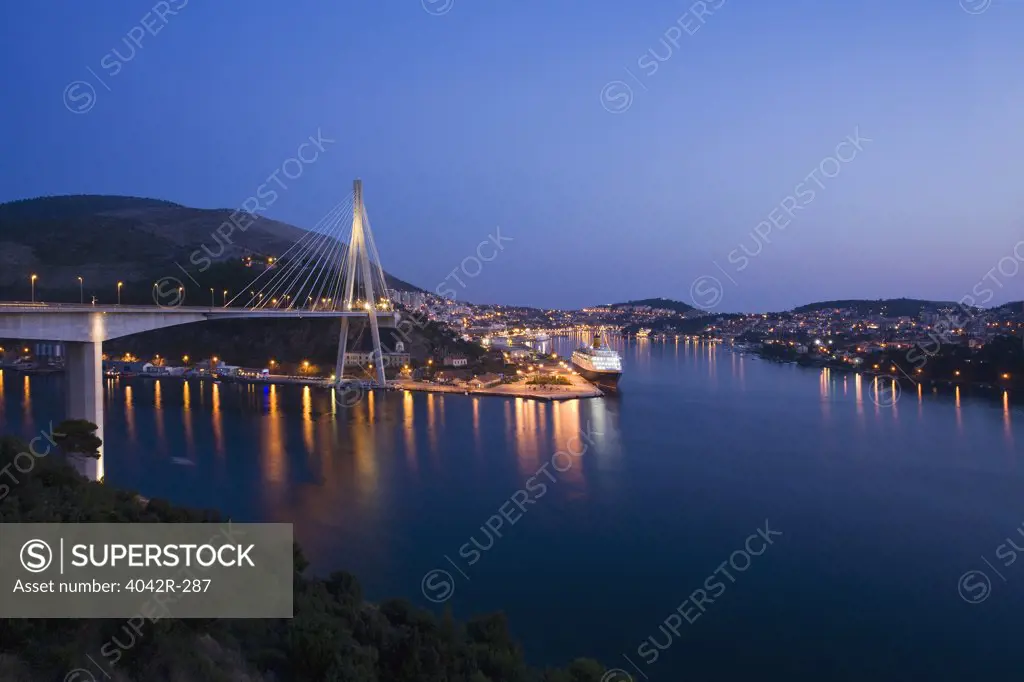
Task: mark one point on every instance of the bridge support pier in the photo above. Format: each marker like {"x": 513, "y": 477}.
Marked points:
{"x": 84, "y": 396}
{"x": 339, "y": 370}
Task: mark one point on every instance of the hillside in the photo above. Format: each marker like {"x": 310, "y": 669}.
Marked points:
{"x": 1013, "y": 306}
{"x": 107, "y": 239}
{"x": 662, "y": 303}
{"x": 889, "y": 307}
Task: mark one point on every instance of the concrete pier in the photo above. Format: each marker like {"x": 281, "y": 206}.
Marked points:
{"x": 84, "y": 396}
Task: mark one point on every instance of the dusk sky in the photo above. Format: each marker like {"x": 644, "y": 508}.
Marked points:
{"x": 463, "y": 116}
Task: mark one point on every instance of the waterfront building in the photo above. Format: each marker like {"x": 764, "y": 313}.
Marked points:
{"x": 485, "y": 380}
{"x": 360, "y": 351}
{"x": 49, "y": 353}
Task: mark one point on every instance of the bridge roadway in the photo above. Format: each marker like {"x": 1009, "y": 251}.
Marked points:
{"x": 97, "y": 323}
{"x": 84, "y": 328}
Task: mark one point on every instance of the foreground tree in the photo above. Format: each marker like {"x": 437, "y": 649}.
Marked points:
{"x": 77, "y": 437}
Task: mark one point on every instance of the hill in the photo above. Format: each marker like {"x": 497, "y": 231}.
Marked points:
{"x": 888, "y": 307}
{"x": 107, "y": 239}
{"x": 1013, "y": 307}
{"x": 657, "y": 303}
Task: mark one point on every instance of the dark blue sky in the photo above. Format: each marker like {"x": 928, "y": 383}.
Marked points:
{"x": 496, "y": 113}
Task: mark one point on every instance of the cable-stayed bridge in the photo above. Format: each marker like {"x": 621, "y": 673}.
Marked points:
{"x": 333, "y": 271}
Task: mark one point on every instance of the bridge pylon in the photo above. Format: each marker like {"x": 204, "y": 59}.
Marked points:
{"x": 358, "y": 270}
{"x": 335, "y": 268}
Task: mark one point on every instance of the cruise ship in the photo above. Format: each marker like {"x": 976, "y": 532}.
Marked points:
{"x": 599, "y": 363}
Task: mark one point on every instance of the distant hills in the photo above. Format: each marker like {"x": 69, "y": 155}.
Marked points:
{"x": 662, "y": 303}
{"x": 107, "y": 239}
{"x": 889, "y": 307}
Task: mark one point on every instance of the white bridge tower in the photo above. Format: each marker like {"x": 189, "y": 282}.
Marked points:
{"x": 359, "y": 270}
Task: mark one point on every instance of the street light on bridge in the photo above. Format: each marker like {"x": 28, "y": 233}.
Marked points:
{"x": 33, "y": 280}
{"x": 81, "y": 290}
{"x": 119, "y": 285}
{"x": 225, "y": 298}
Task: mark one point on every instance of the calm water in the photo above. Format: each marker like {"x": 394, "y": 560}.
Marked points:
{"x": 882, "y": 509}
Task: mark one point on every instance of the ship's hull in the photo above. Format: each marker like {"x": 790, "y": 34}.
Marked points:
{"x": 606, "y": 380}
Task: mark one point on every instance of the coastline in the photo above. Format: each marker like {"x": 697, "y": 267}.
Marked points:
{"x": 899, "y": 375}
{"x": 580, "y": 388}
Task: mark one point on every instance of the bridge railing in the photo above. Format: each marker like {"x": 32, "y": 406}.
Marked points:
{"x": 20, "y": 306}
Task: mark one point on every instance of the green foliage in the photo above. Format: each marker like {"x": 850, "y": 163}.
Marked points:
{"x": 890, "y": 307}
{"x": 334, "y": 636}
{"x": 548, "y": 380}
{"x": 77, "y": 437}
{"x": 253, "y": 343}
{"x": 661, "y": 303}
